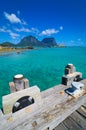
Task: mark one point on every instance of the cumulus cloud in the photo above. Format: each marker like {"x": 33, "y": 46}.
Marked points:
{"x": 22, "y": 30}
{"x": 12, "y": 18}
{"x": 12, "y": 34}
{"x": 27, "y": 30}
{"x": 49, "y": 32}
{"x": 3, "y": 29}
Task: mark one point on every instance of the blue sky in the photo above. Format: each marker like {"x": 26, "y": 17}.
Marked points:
{"x": 63, "y": 19}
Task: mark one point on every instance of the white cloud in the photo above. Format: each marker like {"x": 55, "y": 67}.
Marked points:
{"x": 12, "y": 34}
{"x": 61, "y": 27}
{"x": 22, "y": 30}
{"x": 2, "y": 30}
{"x": 49, "y": 32}
{"x": 12, "y": 18}
{"x": 35, "y": 30}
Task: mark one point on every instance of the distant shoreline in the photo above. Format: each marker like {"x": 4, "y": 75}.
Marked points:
{"x": 10, "y": 49}
{"x": 13, "y": 50}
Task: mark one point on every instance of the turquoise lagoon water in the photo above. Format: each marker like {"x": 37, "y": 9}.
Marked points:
{"x": 43, "y": 67}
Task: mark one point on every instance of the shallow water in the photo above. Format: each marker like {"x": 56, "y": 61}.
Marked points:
{"x": 43, "y": 67}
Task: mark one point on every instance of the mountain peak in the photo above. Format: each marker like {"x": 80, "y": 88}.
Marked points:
{"x": 33, "y": 42}
{"x": 50, "y": 42}
{"x": 29, "y": 41}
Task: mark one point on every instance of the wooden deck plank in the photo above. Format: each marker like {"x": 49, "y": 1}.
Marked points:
{"x": 55, "y": 89}
{"x": 84, "y": 105}
{"x": 50, "y": 100}
{"x": 50, "y": 119}
{"x": 61, "y": 126}
{"x": 44, "y": 110}
{"x": 79, "y": 119}
{"x": 82, "y": 111}
{"x": 71, "y": 125}
{"x": 56, "y": 108}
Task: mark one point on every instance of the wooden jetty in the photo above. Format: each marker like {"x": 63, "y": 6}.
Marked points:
{"x": 56, "y": 110}
{"x": 76, "y": 121}
{"x": 56, "y": 107}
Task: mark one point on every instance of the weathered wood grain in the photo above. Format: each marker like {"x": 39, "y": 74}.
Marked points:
{"x": 56, "y": 107}
{"x": 78, "y": 118}
{"x": 61, "y": 126}
{"x": 50, "y": 118}
{"x": 82, "y": 111}
{"x": 71, "y": 125}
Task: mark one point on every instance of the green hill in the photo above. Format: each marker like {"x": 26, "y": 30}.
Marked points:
{"x": 7, "y": 44}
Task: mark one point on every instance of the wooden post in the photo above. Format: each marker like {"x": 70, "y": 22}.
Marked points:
{"x": 71, "y": 75}
{"x": 26, "y": 83}
{"x": 12, "y": 87}
{"x": 19, "y": 83}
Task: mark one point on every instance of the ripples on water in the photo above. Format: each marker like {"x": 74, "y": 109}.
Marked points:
{"x": 43, "y": 67}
